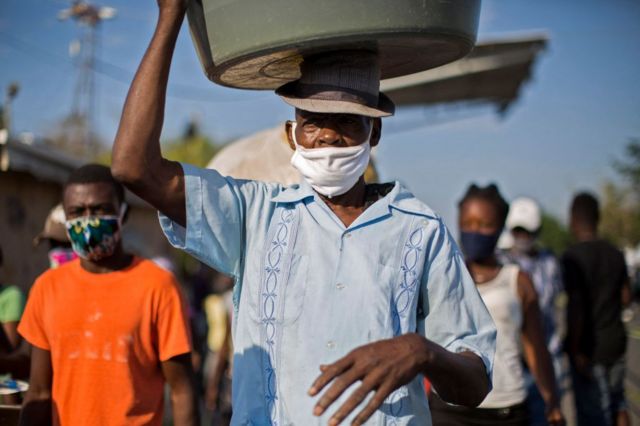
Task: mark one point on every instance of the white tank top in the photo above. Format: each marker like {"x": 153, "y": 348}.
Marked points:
{"x": 500, "y": 295}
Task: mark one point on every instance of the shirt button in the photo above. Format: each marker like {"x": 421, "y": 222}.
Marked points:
{"x": 331, "y": 344}
{"x": 348, "y": 236}
{"x": 340, "y": 286}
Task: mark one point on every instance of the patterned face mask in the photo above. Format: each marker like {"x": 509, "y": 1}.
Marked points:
{"x": 94, "y": 237}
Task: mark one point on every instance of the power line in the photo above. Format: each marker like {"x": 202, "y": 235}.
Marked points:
{"x": 29, "y": 48}
{"x": 175, "y": 90}
{"x": 118, "y": 74}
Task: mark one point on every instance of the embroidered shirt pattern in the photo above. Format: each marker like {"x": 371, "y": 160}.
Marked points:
{"x": 412, "y": 263}
{"x": 273, "y": 271}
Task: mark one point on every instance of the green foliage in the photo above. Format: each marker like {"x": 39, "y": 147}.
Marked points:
{"x": 554, "y": 235}
{"x": 620, "y": 210}
{"x": 193, "y": 147}
{"x": 103, "y": 157}
{"x": 629, "y": 168}
{"x": 620, "y": 204}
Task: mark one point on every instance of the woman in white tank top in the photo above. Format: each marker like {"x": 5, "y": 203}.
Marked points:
{"x": 512, "y": 302}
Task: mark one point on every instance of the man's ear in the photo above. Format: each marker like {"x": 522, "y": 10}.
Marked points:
{"x": 376, "y": 132}
{"x": 288, "y": 130}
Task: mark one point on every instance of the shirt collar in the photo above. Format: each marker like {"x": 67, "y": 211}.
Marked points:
{"x": 294, "y": 193}
{"x": 400, "y": 198}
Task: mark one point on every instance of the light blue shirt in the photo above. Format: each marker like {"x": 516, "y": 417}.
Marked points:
{"x": 309, "y": 290}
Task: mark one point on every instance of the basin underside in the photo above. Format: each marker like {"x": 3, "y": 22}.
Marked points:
{"x": 260, "y": 44}
{"x": 398, "y": 56}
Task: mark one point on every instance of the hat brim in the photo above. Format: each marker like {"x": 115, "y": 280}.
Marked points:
{"x": 385, "y": 107}
{"x": 527, "y": 227}
{"x": 56, "y": 235}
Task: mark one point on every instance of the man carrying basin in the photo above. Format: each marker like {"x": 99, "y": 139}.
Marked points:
{"x": 346, "y": 294}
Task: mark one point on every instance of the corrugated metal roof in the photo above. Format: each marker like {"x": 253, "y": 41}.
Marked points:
{"x": 47, "y": 164}
{"x": 493, "y": 73}
{"x": 40, "y": 161}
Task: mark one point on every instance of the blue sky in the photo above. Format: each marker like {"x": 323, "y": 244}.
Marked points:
{"x": 573, "y": 118}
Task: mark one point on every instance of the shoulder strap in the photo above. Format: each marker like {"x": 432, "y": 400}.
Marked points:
{"x": 512, "y": 276}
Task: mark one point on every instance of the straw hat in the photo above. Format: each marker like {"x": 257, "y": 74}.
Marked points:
{"x": 54, "y": 227}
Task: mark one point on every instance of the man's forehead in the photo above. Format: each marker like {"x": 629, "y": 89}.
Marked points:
{"x": 90, "y": 193}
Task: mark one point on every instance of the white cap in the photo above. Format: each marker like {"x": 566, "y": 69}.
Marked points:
{"x": 524, "y": 213}
{"x": 505, "y": 242}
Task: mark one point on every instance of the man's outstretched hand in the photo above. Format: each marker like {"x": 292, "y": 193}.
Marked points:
{"x": 382, "y": 367}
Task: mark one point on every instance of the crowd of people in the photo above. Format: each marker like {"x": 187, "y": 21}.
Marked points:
{"x": 329, "y": 301}
{"x": 111, "y": 323}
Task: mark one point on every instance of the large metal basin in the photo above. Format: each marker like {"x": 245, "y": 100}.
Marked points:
{"x": 259, "y": 44}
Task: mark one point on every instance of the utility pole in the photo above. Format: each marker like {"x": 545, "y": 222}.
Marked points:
{"x": 5, "y": 124}
{"x": 10, "y": 94}
{"x": 81, "y": 120}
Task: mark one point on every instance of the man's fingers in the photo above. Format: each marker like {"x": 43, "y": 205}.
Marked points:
{"x": 369, "y": 384}
{"x": 329, "y": 372}
{"x": 376, "y": 401}
{"x": 339, "y": 385}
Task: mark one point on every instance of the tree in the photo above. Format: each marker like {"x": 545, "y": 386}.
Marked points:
{"x": 554, "y": 235}
{"x": 620, "y": 211}
{"x": 629, "y": 168}
{"x": 193, "y": 147}
{"x": 620, "y": 208}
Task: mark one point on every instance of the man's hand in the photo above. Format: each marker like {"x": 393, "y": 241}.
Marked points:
{"x": 382, "y": 367}
{"x": 555, "y": 417}
{"x": 582, "y": 364}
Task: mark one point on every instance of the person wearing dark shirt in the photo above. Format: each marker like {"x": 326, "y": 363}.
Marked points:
{"x": 597, "y": 284}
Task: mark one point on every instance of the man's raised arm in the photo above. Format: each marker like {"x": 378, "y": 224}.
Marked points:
{"x": 137, "y": 160}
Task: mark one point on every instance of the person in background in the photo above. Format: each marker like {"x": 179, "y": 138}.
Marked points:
{"x": 218, "y": 365}
{"x": 14, "y": 355}
{"x": 597, "y": 283}
{"x": 197, "y": 286}
{"x": 632, "y": 258}
{"x": 185, "y": 281}
{"x": 524, "y": 222}
{"x": 11, "y": 306}
{"x": 511, "y": 299}
{"x": 108, "y": 329}
{"x": 55, "y": 234}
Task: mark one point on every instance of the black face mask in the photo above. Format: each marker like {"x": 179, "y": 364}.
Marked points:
{"x": 478, "y": 246}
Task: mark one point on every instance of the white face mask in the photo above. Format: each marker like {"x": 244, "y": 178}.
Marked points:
{"x": 331, "y": 171}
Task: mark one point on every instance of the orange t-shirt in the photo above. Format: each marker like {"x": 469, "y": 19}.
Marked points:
{"x": 107, "y": 334}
